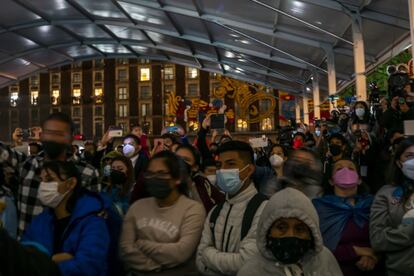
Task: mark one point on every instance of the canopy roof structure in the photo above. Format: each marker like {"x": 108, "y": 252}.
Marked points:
{"x": 279, "y": 43}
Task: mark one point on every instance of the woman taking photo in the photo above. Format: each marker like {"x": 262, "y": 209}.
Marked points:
{"x": 71, "y": 230}
{"x": 344, "y": 221}
{"x": 162, "y": 232}
{"x": 392, "y": 214}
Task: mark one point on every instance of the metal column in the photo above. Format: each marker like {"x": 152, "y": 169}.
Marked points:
{"x": 331, "y": 75}
{"x": 306, "y": 110}
{"x": 411, "y": 11}
{"x": 316, "y": 96}
{"x": 359, "y": 59}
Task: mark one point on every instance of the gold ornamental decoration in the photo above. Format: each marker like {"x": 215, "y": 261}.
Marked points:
{"x": 173, "y": 102}
{"x": 245, "y": 96}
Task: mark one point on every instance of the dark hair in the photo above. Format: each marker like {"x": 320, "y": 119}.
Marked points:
{"x": 132, "y": 136}
{"x": 213, "y": 144}
{"x": 300, "y": 134}
{"x": 284, "y": 149}
{"x": 65, "y": 170}
{"x": 354, "y": 117}
{"x": 338, "y": 136}
{"x": 194, "y": 152}
{"x": 223, "y": 137}
{"x": 362, "y": 188}
{"x": 209, "y": 163}
{"x": 61, "y": 117}
{"x": 396, "y": 175}
{"x": 177, "y": 168}
{"x": 170, "y": 136}
{"x": 244, "y": 150}
{"x": 130, "y": 173}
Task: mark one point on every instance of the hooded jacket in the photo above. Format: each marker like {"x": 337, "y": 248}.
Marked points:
{"x": 86, "y": 237}
{"x": 229, "y": 253}
{"x": 290, "y": 203}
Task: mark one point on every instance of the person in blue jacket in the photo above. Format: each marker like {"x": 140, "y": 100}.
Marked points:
{"x": 72, "y": 231}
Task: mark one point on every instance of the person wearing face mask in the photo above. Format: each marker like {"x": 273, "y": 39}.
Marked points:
{"x": 344, "y": 221}
{"x": 298, "y": 140}
{"x": 289, "y": 240}
{"x": 337, "y": 145}
{"x": 56, "y": 138}
{"x": 392, "y": 214}
{"x": 161, "y": 233}
{"x": 132, "y": 150}
{"x": 278, "y": 156}
{"x": 121, "y": 180}
{"x": 361, "y": 113}
{"x": 228, "y": 238}
{"x": 303, "y": 171}
{"x": 201, "y": 189}
{"x": 70, "y": 229}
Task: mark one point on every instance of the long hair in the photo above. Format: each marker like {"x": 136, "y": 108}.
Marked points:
{"x": 396, "y": 176}
{"x": 65, "y": 170}
{"x": 130, "y": 173}
{"x": 176, "y": 167}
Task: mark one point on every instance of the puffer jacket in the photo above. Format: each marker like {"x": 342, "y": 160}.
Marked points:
{"x": 290, "y": 203}
{"x": 228, "y": 254}
{"x": 390, "y": 234}
{"x": 86, "y": 237}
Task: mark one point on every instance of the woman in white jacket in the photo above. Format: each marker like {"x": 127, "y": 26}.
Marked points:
{"x": 289, "y": 240}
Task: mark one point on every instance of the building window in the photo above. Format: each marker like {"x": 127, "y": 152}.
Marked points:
{"x": 192, "y": 90}
{"x": 99, "y": 76}
{"x": 145, "y": 92}
{"x": 168, "y": 88}
{"x": 98, "y": 128}
{"x": 14, "y": 96}
{"x": 76, "y": 96}
{"x": 34, "y": 80}
{"x": 98, "y": 110}
{"x": 267, "y": 124}
{"x": 145, "y": 74}
{"x": 55, "y": 96}
{"x": 169, "y": 73}
{"x": 34, "y": 116}
{"x": 98, "y": 95}
{"x": 76, "y": 77}
{"x": 122, "y": 93}
{"x": 55, "y": 79}
{"x": 77, "y": 125}
{"x": 122, "y": 75}
{"x": 145, "y": 109}
{"x": 76, "y": 112}
{"x": 192, "y": 73}
{"x": 242, "y": 125}
{"x": 123, "y": 110}
{"x": 34, "y": 97}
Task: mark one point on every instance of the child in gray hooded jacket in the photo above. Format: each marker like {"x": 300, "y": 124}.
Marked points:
{"x": 289, "y": 240}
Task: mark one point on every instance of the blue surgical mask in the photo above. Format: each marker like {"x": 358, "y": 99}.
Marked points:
{"x": 228, "y": 180}
{"x": 318, "y": 132}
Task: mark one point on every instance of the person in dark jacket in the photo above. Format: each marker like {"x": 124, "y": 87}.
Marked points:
{"x": 71, "y": 230}
{"x": 201, "y": 189}
{"x": 344, "y": 221}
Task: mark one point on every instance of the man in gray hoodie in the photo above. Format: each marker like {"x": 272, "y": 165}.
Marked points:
{"x": 289, "y": 240}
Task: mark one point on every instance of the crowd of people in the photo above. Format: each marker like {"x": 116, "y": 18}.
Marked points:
{"x": 335, "y": 197}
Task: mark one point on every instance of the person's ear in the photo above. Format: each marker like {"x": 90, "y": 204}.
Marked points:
{"x": 331, "y": 182}
{"x": 251, "y": 169}
{"x": 398, "y": 163}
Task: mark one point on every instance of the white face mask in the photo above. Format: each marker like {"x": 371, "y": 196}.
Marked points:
{"x": 48, "y": 194}
{"x": 276, "y": 161}
{"x": 212, "y": 178}
{"x": 128, "y": 150}
{"x": 360, "y": 112}
{"x": 408, "y": 169}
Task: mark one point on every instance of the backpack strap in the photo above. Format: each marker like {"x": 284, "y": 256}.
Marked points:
{"x": 250, "y": 212}
{"x": 213, "y": 218}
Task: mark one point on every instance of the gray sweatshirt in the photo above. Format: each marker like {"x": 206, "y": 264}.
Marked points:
{"x": 290, "y": 203}
{"x": 388, "y": 235}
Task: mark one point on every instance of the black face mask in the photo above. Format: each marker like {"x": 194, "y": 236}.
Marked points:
{"x": 335, "y": 149}
{"x": 118, "y": 177}
{"x": 157, "y": 187}
{"x": 289, "y": 250}
{"x": 53, "y": 149}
